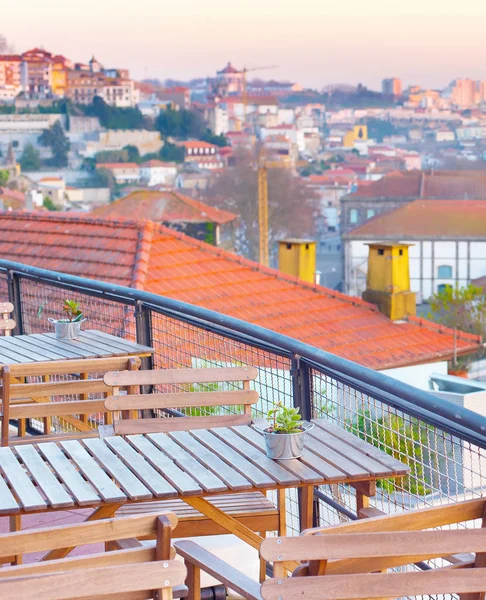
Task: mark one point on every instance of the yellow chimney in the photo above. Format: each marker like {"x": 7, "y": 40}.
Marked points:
{"x": 298, "y": 257}
{"x": 388, "y": 280}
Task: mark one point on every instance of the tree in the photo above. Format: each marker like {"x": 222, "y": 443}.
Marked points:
{"x": 133, "y": 155}
{"x": 292, "y": 206}
{"x": 211, "y": 138}
{"x": 4, "y": 177}
{"x": 113, "y": 117}
{"x": 58, "y": 142}
{"x": 49, "y": 204}
{"x": 171, "y": 153}
{"x": 180, "y": 123}
{"x": 461, "y": 309}
{"x": 30, "y": 159}
{"x": 104, "y": 178}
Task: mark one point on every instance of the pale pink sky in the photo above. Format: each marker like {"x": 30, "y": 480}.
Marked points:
{"x": 315, "y": 42}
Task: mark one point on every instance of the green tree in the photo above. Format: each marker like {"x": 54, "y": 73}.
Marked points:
{"x": 104, "y": 178}
{"x": 133, "y": 155}
{"x": 171, "y": 153}
{"x": 30, "y": 159}
{"x": 113, "y": 117}
{"x": 57, "y": 141}
{"x": 180, "y": 123}
{"x": 49, "y": 204}
{"x": 211, "y": 138}
{"x": 4, "y": 177}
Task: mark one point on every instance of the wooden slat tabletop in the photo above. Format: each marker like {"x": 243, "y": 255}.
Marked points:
{"x": 42, "y": 347}
{"x": 180, "y": 464}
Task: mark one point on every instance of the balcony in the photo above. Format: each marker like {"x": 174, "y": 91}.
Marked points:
{"x": 442, "y": 443}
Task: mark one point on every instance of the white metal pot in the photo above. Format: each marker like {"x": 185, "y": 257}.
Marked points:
{"x": 285, "y": 446}
{"x": 67, "y": 330}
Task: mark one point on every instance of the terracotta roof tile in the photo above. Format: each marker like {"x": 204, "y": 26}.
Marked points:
{"x": 163, "y": 206}
{"x": 451, "y": 219}
{"x": 159, "y": 260}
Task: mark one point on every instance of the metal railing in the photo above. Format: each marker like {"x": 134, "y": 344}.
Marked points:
{"x": 444, "y": 444}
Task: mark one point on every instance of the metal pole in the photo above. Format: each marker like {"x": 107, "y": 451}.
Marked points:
{"x": 13, "y": 284}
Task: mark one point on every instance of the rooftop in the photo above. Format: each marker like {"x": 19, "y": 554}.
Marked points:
{"x": 452, "y": 219}
{"x": 426, "y": 184}
{"x": 163, "y": 206}
{"x": 154, "y": 258}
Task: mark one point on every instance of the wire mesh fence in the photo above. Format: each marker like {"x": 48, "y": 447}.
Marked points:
{"x": 443, "y": 468}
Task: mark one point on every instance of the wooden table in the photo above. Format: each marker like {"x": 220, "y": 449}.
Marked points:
{"x": 42, "y": 347}
{"x": 108, "y": 473}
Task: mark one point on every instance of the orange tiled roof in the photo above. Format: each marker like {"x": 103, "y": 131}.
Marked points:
{"x": 12, "y": 198}
{"x": 449, "y": 219}
{"x": 159, "y": 260}
{"x": 150, "y": 164}
{"x": 426, "y": 184}
{"x": 196, "y": 144}
{"x": 126, "y": 165}
{"x": 163, "y": 206}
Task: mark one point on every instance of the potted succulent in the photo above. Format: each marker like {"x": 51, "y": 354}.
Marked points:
{"x": 68, "y": 328}
{"x": 285, "y": 435}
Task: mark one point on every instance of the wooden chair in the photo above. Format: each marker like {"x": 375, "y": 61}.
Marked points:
{"x": 252, "y": 509}
{"x": 39, "y": 391}
{"x": 128, "y": 570}
{"x": 6, "y": 323}
{"x": 352, "y": 560}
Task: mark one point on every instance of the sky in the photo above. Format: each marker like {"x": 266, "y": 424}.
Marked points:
{"x": 313, "y": 42}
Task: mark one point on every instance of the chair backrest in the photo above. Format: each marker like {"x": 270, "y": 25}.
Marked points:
{"x": 117, "y": 582}
{"x": 6, "y": 323}
{"x": 62, "y": 389}
{"x": 126, "y": 569}
{"x": 190, "y": 399}
{"x": 383, "y": 551}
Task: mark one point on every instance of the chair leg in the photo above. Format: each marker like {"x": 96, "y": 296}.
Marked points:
{"x": 193, "y": 582}
{"x": 281, "y": 507}
{"x": 263, "y": 563}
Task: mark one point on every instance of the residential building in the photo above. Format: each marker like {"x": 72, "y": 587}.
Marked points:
{"x": 447, "y": 244}
{"x": 155, "y": 172}
{"x": 10, "y": 75}
{"x": 401, "y": 187}
{"x": 11, "y": 199}
{"x": 120, "y": 92}
{"x": 122, "y": 172}
{"x": 392, "y": 86}
{"x": 229, "y": 81}
{"x": 53, "y": 188}
{"x": 147, "y": 142}
{"x": 83, "y": 86}
{"x": 19, "y": 130}
{"x": 291, "y": 132}
{"x": 37, "y": 66}
{"x": 202, "y": 154}
{"x": 177, "y": 211}
{"x": 178, "y": 96}
{"x": 60, "y": 68}
{"x": 154, "y": 258}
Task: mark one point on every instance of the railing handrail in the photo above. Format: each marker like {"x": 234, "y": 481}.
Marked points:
{"x": 461, "y": 422}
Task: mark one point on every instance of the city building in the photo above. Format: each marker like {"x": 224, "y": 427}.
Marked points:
{"x": 37, "y": 66}
{"x": 447, "y": 241}
{"x": 177, "y": 211}
{"x": 60, "y": 68}
{"x": 392, "y": 86}
{"x": 178, "y": 96}
{"x": 229, "y": 81}
{"x": 401, "y": 187}
{"x": 155, "y": 172}
{"x": 83, "y": 86}
{"x": 10, "y": 76}
{"x": 122, "y": 172}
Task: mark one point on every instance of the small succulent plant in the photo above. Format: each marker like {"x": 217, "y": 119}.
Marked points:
{"x": 70, "y": 310}
{"x": 285, "y": 420}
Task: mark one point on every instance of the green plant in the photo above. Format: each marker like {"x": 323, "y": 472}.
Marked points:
{"x": 285, "y": 420}
{"x": 72, "y": 310}
{"x": 405, "y": 441}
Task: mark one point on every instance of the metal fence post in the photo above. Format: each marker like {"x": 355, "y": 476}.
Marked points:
{"x": 13, "y": 284}
{"x": 302, "y": 393}
{"x": 143, "y": 328}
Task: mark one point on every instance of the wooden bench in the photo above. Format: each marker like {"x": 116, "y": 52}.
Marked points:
{"x": 127, "y": 571}
{"x": 352, "y": 560}
{"x": 194, "y": 391}
{"x": 39, "y": 391}
{"x": 6, "y": 323}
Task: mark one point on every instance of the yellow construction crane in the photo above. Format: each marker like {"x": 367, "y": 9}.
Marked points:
{"x": 263, "y": 166}
{"x": 245, "y": 94}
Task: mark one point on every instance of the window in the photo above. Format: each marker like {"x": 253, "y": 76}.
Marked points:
{"x": 444, "y": 272}
{"x": 353, "y": 216}
{"x": 370, "y": 213}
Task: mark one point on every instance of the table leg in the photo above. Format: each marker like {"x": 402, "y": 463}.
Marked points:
{"x": 364, "y": 490}
{"x": 104, "y": 512}
{"x": 231, "y": 525}
{"x": 16, "y": 525}
{"x": 306, "y": 506}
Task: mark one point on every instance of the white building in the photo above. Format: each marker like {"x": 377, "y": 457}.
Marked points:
{"x": 296, "y": 136}
{"x": 156, "y": 172}
{"x": 448, "y": 244}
